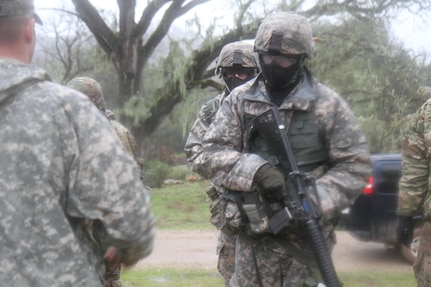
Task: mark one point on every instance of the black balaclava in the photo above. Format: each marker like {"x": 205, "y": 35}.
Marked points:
{"x": 233, "y": 82}
{"x": 281, "y": 81}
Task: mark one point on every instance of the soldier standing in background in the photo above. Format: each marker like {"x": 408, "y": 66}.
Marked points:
{"x": 92, "y": 89}
{"x": 327, "y": 143}
{"x": 414, "y": 187}
{"x": 61, "y": 165}
{"x": 236, "y": 64}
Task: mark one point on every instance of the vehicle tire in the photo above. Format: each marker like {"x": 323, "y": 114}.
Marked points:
{"x": 410, "y": 252}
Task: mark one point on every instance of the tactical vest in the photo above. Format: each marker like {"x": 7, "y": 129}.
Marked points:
{"x": 310, "y": 153}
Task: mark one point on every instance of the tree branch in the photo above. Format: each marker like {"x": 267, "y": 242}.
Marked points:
{"x": 103, "y": 34}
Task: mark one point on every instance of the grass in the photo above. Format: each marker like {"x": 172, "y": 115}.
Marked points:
{"x": 185, "y": 207}
{"x": 181, "y": 206}
{"x": 206, "y": 278}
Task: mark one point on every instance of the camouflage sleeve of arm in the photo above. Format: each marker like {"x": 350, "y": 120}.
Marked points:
{"x": 413, "y": 185}
{"x": 133, "y": 146}
{"x": 193, "y": 147}
{"x": 349, "y": 158}
{"x": 222, "y": 159}
{"x": 104, "y": 182}
{"x": 126, "y": 138}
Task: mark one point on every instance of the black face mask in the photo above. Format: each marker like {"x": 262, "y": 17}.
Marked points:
{"x": 233, "y": 82}
{"x": 278, "y": 78}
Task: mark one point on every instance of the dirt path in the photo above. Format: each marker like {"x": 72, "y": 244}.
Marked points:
{"x": 196, "y": 249}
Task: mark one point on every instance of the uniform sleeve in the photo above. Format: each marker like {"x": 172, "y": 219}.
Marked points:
{"x": 193, "y": 147}
{"x": 349, "y": 161}
{"x": 413, "y": 185}
{"x": 222, "y": 160}
{"x": 103, "y": 180}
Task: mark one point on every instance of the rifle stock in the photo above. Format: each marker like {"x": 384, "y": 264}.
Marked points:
{"x": 298, "y": 203}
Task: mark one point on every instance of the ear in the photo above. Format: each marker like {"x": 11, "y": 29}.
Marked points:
{"x": 29, "y": 32}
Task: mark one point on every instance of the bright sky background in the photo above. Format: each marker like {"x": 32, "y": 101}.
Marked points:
{"x": 408, "y": 28}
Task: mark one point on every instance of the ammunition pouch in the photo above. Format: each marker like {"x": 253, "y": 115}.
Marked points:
{"x": 225, "y": 215}
{"x": 259, "y": 215}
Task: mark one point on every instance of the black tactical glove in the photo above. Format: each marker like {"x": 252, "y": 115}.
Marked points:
{"x": 270, "y": 181}
{"x": 405, "y": 226}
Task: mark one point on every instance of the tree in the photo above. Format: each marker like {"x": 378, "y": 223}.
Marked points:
{"x": 130, "y": 52}
{"x": 70, "y": 52}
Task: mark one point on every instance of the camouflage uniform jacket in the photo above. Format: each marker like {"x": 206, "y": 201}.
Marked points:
{"x": 124, "y": 134}
{"x": 415, "y": 182}
{"x": 224, "y": 161}
{"x": 61, "y": 163}
{"x": 206, "y": 115}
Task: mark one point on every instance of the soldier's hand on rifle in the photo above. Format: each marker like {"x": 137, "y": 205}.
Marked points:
{"x": 328, "y": 205}
{"x": 270, "y": 181}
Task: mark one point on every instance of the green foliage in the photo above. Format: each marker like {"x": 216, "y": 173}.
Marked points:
{"x": 156, "y": 172}
{"x": 179, "y": 172}
{"x": 181, "y": 207}
{"x": 169, "y": 277}
{"x": 376, "y": 76}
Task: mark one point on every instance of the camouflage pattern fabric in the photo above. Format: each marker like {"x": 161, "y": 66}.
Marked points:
{"x": 125, "y": 136}
{"x": 224, "y": 214}
{"x": 18, "y": 8}
{"x": 206, "y": 114}
{"x": 226, "y": 251}
{"x": 227, "y": 59}
{"x": 109, "y": 272}
{"x": 62, "y": 165}
{"x": 415, "y": 181}
{"x": 223, "y": 159}
{"x": 422, "y": 265}
{"x": 91, "y": 88}
{"x": 415, "y": 184}
{"x": 297, "y": 39}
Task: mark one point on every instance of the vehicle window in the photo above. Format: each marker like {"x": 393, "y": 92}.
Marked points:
{"x": 387, "y": 181}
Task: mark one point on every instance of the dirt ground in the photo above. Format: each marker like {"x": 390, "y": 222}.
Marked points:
{"x": 196, "y": 249}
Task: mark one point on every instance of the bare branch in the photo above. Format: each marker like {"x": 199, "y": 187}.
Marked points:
{"x": 103, "y": 34}
{"x": 147, "y": 16}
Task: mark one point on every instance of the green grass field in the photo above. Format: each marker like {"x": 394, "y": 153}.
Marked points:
{"x": 185, "y": 207}
{"x": 204, "y": 278}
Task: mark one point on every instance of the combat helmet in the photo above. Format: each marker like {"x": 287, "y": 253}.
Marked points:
{"x": 285, "y": 33}
{"x": 236, "y": 54}
{"x": 91, "y": 88}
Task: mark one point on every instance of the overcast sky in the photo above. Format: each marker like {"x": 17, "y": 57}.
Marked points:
{"x": 408, "y": 29}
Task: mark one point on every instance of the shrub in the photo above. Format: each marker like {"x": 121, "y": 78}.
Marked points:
{"x": 179, "y": 172}
{"x": 156, "y": 172}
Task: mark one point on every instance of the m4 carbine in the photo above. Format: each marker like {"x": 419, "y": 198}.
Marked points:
{"x": 297, "y": 203}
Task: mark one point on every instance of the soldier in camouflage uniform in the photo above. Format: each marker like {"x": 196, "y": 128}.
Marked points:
{"x": 236, "y": 64}
{"x": 414, "y": 187}
{"x": 61, "y": 164}
{"x": 326, "y": 140}
{"x": 92, "y": 89}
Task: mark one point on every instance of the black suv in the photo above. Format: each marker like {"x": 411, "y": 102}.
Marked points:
{"x": 373, "y": 215}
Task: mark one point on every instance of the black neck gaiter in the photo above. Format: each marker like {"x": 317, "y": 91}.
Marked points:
{"x": 233, "y": 82}
{"x": 281, "y": 81}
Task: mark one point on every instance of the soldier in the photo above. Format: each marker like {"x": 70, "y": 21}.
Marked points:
{"x": 414, "y": 187}
{"x": 92, "y": 89}
{"x": 327, "y": 143}
{"x": 61, "y": 165}
{"x": 236, "y": 64}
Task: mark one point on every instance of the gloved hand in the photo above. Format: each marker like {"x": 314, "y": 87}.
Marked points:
{"x": 328, "y": 205}
{"x": 405, "y": 226}
{"x": 270, "y": 181}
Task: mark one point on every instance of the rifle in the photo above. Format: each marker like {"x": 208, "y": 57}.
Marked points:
{"x": 297, "y": 203}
